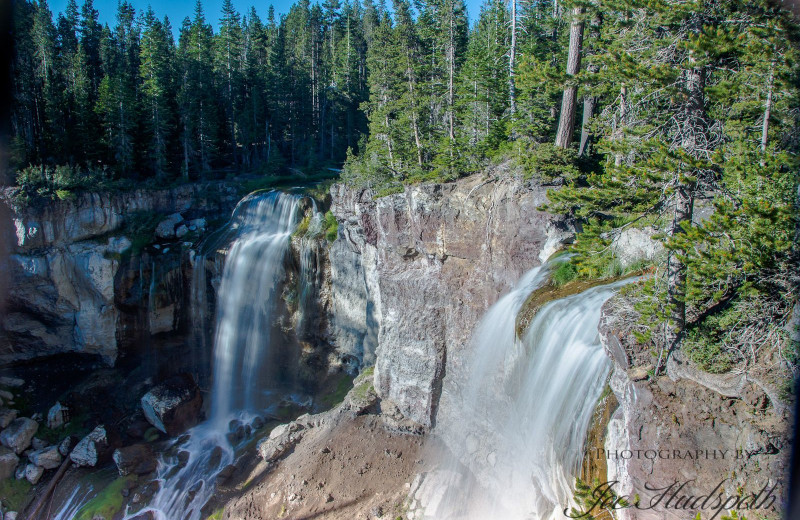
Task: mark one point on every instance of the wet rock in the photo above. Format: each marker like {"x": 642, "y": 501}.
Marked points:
{"x": 33, "y": 473}
{"x": 19, "y": 434}
{"x": 8, "y": 463}
{"x": 166, "y": 228}
{"x": 65, "y": 446}
{"x": 225, "y": 474}
{"x": 58, "y": 416}
{"x": 91, "y": 449}
{"x": 6, "y": 416}
{"x": 173, "y": 406}
{"x": 19, "y": 473}
{"x": 148, "y": 515}
{"x": 138, "y": 459}
{"x": 183, "y": 457}
{"x": 47, "y": 458}
{"x": 5, "y": 394}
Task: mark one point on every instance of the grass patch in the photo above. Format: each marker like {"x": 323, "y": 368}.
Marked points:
{"x": 107, "y": 503}
{"x": 341, "y": 385}
{"x": 15, "y": 494}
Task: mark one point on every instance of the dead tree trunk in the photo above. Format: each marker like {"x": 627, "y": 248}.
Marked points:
{"x": 566, "y": 123}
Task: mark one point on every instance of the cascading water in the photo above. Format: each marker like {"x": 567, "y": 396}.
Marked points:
{"x": 261, "y": 225}
{"x": 524, "y": 409}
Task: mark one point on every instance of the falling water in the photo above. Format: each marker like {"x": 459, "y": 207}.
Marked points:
{"x": 310, "y": 272}
{"x": 247, "y": 296}
{"x": 251, "y": 280}
{"x": 524, "y": 410}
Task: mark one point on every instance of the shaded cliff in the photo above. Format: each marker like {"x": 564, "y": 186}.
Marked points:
{"x": 88, "y": 275}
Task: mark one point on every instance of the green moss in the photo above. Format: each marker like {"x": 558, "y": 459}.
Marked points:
{"x": 152, "y": 434}
{"x": 302, "y": 227}
{"x": 15, "y": 494}
{"x": 330, "y": 226}
{"x": 107, "y": 503}
{"x": 74, "y": 427}
{"x": 216, "y": 515}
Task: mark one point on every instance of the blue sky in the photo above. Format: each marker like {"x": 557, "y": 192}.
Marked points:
{"x": 177, "y": 10}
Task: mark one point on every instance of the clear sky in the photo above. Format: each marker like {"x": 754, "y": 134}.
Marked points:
{"x": 177, "y": 10}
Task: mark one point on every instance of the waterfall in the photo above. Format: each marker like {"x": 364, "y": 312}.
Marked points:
{"x": 245, "y": 366}
{"x": 524, "y": 407}
{"x": 247, "y": 295}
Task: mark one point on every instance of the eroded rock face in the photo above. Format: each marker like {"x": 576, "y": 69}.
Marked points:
{"x": 66, "y": 263}
{"x": 709, "y": 432}
{"x": 413, "y": 272}
{"x": 174, "y": 405}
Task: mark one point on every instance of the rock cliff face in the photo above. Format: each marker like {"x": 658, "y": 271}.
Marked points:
{"x": 714, "y": 434}
{"x": 73, "y": 284}
{"x": 412, "y": 273}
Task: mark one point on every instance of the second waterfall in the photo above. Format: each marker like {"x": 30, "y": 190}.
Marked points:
{"x": 250, "y": 370}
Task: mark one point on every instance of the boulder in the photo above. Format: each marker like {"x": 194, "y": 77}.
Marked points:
{"x": 19, "y": 473}
{"x": 636, "y": 245}
{"x": 18, "y": 434}
{"x": 91, "y": 449}
{"x": 33, "y": 473}
{"x": 6, "y": 416}
{"x": 173, "y": 406}
{"x": 138, "y": 459}
{"x": 57, "y": 416}
{"x": 8, "y": 463}
{"x": 65, "y": 446}
{"x": 6, "y": 395}
{"x": 47, "y": 458}
{"x": 182, "y": 231}
{"x": 11, "y": 515}
{"x": 166, "y": 228}
{"x": 38, "y": 444}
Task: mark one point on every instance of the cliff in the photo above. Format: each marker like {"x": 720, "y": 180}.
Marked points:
{"x": 77, "y": 282}
{"x": 413, "y": 272}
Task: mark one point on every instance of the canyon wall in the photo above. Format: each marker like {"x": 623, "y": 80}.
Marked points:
{"x": 413, "y": 272}
{"x": 76, "y": 282}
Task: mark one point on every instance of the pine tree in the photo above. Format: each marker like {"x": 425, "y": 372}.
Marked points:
{"x": 155, "y": 71}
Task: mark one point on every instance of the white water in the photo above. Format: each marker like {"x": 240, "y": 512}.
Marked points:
{"x": 523, "y": 411}
{"x": 262, "y": 225}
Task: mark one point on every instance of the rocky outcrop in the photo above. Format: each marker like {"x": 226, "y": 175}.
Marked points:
{"x": 72, "y": 282}
{"x": 173, "y": 406}
{"x": 714, "y": 434}
{"x": 412, "y": 273}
